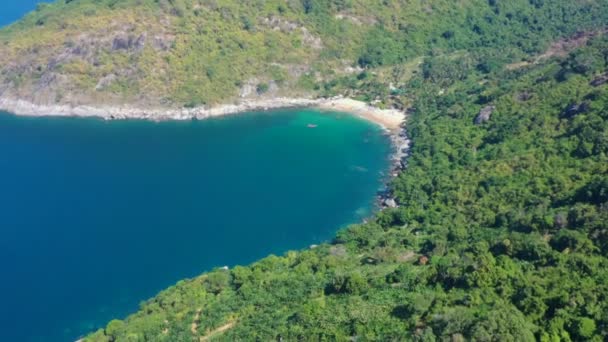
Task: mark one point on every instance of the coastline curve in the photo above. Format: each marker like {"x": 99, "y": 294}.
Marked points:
{"x": 389, "y": 119}
{"x": 392, "y": 121}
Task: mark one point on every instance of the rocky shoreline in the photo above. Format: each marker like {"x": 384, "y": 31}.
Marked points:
{"x": 391, "y": 120}
{"x": 387, "y": 118}
{"x": 401, "y": 151}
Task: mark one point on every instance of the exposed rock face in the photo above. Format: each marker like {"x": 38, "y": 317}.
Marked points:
{"x": 598, "y": 81}
{"x": 56, "y": 74}
{"x": 401, "y": 146}
{"x": 560, "y": 221}
{"x": 423, "y": 260}
{"x": 574, "y": 109}
{"x": 484, "y": 115}
{"x": 248, "y": 89}
{"x": 311, "y": 40}
{"x": 525, "y": 96}
{"x": 162, "y": 42}
{"x": 252, "y": 89}
{"x": 45, "y": 81}
{"x": 280, "y": 24}
{"x": 390, "y": 203}
{"x": 123, "y": 42}
{"x": 120, "y": 43}
{"x": 337, "y": 250}
{"x": 355, "y": 19}
{"x": 105, "y": 81}
{"x": 273, "y": 88}
{"x": 286, "y": 26}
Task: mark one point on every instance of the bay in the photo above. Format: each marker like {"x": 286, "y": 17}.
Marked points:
{"x": 97, "y": 216}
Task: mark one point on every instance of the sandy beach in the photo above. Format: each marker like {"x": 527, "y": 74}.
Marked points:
{"x": 389, "y": 119}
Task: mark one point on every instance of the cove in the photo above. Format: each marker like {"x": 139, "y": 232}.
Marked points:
{"x": 97, "y": 216}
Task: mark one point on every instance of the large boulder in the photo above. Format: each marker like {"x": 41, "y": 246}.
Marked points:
{"x": 598, "y": 81}
{"x": 575, "y": 109}
{"x": 390, "y": 203}
{"x": 124, "y": 42}
{"x": 484, "y": 114}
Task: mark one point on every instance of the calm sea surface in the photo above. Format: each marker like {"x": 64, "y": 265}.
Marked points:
{"x": 12, "y": 10}
{"x": 96, "y": 216}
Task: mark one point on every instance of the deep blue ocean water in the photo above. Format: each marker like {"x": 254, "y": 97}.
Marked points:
{"x": 12, "y": 10}
{"x": 96, "y": 216}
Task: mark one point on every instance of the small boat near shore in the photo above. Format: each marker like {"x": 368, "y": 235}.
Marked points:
{"x": 312, "y": 126}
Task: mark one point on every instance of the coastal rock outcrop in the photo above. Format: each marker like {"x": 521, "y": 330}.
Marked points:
{"x": 390, "y": 203}
{"x": 401, "y": 146}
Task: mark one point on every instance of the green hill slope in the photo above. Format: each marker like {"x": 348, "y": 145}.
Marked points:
{"x": 193, "y": 52}
{"x": 502, "y": 233}
{"x": 502, "y": 229}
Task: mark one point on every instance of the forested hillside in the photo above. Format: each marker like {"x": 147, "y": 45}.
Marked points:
{"x": 501, "y": 233}
{"x": 178, "y": 53}
{"x": 502, "y": 229}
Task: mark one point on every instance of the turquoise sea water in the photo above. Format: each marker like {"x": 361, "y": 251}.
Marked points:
{"x": 97, "y": 215}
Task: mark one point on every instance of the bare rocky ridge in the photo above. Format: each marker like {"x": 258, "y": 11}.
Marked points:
{"x": 132, "y": 59}
{"x": 47, "y": 74}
